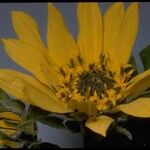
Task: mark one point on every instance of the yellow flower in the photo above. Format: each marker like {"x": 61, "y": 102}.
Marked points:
{"x": 90, "y": 75}
{"x": 8, "y": 126}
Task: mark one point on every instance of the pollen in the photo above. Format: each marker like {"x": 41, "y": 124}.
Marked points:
{"x": 95, "y": 83}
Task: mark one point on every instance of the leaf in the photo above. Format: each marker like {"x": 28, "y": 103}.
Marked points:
{"x": 134, "y": 65}
{"x": 3, "y": 136}
{"x": 72, "y": 125}
{"x": 13, "y": 144}
{"x": 11, "y": 104}
{"x": 43, "y": 145}
{"x": 34, "y": 113}
{"x": 124, "y": 131}
{"x": 9, "y": 142}
{"x": 28, "y": 127}
{"x": 53, "y": 120}
{"x": 11, "y": 122}
{"x": 45, "y": 117}
{"x": 133, "y": 61}
{"x": 145, "y": 57}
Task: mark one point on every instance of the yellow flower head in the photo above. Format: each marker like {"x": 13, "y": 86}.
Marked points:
{"x": 90, "y": 75}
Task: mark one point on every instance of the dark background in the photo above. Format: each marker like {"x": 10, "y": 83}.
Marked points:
{"x": 139, "y": 128}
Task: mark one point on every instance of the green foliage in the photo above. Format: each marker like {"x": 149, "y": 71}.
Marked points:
{"x": 53, "y": 120}
{"x": 8, "y": 104}
{"x": 134, "y": 66}
{"x": 28, "y": 127}
{"x": 133, "y": 61}
{"x": 43, "y": 145}
{"x": 145, "y": 57}
{"x": 124, "y": 131}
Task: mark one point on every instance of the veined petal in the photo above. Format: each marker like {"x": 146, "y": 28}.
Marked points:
{"x": 5, "y": 125}
{"x": 100, "y": 125}
{"x": 30, "y": 90}
{"x": 137, "y": 108}
{"x": 61, "y": 44}
{"x": 113, "y": 19}
{"x": 11, "y": 144}
{"x": 30, "y": 58}
{"x": 138, "y": 84}
{"x": 47, "y": 102}
{"x": 27, "y": 29}
{"x": 8, "y": 132}
{"x": 10, "y": 115}
{"x": 13, "y": 82}
{"x": 90, "y": 31}
{"x": 127, "y": 35}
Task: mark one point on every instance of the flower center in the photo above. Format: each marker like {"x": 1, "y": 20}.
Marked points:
{"x": 95, "y": 83}
{"x": 94, "y": 80}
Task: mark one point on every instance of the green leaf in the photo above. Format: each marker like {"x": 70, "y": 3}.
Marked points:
{"x": 28, "y": 127}
{"x": 3, "y": 136}
{"x": 9, "y": 142}
{"x": 53, "y": 121}
{"x": 35, "y": 113}
{"x": 43, "y": 145}
{"x": 11, "y": 122}
{"x": 133, "y": 61}
{"x": 145, "y": 57}
{"x": 45, "y": 117}
{"x": 13, "y": 144}
{"x": 10, "y": 104}
{"x": 124, "y": 131}
{"x": 134, "y": 66}
{"x": 72, "y": 125}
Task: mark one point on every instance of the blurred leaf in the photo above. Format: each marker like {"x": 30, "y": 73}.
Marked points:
{"x": 145, "y": 57}
{"x": 124, "y": 131}
{"x": 11, "y": 104}
{"x": 45, "y": 117}
{"x": 11, "y": 122}
{"x": 28, "y": 127}
{"x": 72, "y": 125}
{"x": 134, "y": 66}
{"x": 43, "y": 145}
{"x": 9, "y": 142}
{"x": 53, "y": 121}
{"x": 133, "y": 61}
{"x": 35, "y": 113}
{"x": 13, "y": 144}
{"x": 3, "y": 136}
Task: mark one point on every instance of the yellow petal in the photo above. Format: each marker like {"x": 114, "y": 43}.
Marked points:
{"x": 137, "y": 108}
{"x": 13, "y": 144}
{"x": 88, "y": 108}
{"x": 47, "y": 102}
{"x": 8, "y": 132}
{"x": 10, "y": 115}
{"x": 127, "y": 35}
{"x": 30, "y": 58}
{"x": 27, "y": 29}
{"x": 5, "y": 125}
{"x": 13, "y": 82}
{"x": 138, "y": 84}
{"x": 90, "y": 31}
{"x": 30, "y": 90}
{"x": 61, "y": 44}
{"x": 100, "y": 125}
{"x": 113, "y": 19}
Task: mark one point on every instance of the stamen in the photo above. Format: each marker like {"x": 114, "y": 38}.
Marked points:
{"x": 62, "y": 72}
{"x": 80, "y": 60}
{"x": 72, "y": 63}
{"x": 95, "y": 80}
